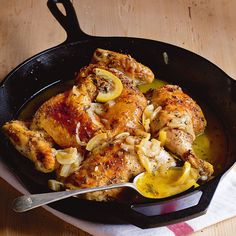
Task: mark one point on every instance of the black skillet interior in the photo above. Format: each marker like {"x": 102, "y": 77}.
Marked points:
{"x": 205, "y": 82}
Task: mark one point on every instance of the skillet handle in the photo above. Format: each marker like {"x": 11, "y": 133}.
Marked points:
{"x": 69, "y": 21}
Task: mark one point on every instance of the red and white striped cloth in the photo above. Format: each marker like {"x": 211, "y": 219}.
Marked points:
{"x": 222, "y": 207}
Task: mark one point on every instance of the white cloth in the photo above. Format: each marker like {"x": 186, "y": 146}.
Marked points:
{"x": 222, "y": 207}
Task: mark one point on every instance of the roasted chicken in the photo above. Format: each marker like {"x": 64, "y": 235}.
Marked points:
{"x": 105, "y": 139}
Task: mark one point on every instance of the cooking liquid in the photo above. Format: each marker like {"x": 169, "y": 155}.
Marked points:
{"x": 169, "y": 183}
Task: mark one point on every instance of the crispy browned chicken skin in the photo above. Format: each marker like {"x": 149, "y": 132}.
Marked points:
{"x": 105, "y": 166}
{"x": 70, "y": 122}
{"x": 34, "y": 145}
{"x": 65, "y": 116}
{"x": 182, "y": 120}
{"x": 139, "y": 73}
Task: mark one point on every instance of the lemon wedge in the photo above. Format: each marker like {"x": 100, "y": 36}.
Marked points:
{"x": 116, "y": 86}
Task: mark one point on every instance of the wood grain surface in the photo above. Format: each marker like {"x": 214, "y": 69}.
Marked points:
{"x": 207, "y": 27}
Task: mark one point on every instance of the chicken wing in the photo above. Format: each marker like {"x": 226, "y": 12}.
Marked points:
{"x": 139, "y": 73}
{"x": 32, "y": 144}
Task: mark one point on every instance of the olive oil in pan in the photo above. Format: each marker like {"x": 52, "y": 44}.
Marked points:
{"x": 210, "y": 146}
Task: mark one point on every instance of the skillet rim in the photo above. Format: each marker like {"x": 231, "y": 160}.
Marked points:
{"x": 71, "y": 44}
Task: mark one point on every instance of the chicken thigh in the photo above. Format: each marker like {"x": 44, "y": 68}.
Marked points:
{"x": 182, "y": 120}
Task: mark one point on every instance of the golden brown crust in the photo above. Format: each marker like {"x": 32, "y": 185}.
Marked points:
{"x": 126, "y": 112}
{"x": 32, "y": 145}
{"x": 70, "y": 120}
{"x": 102, "y": 167}
{"x": 182, "y": 119}
{"x": 124, "y": 63}
{"x": 171, "y": 97}
{"x": 60, "y": 115}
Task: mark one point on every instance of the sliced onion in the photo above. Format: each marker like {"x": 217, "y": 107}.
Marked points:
{"x": 93, "y": 118}
{"x": 96, "y": 141}
{"x": 162, "y": 137}
{"x": 148, "y": 115}
{"x": 153, "y": 157}
{"x": 155, "y": 113}
{"x": 130, "y": 140}
{"x": 67, "y": 156}
{"x": 65, "y": 170}
{"x": 55, "y": 185}
{"x": 75, "y": 91}
{"x": 111, "y": 103}
{"x": 98, "y": 108}
{"x": 127, "y": 147}
{"x": 146, "y": 124}
{"x": 122, "y": 135}
{"x": 142, "y": 134}
{"x": 77, "y": 135}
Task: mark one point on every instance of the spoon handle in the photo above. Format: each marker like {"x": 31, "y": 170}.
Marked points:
{"x": 28, "y": 202}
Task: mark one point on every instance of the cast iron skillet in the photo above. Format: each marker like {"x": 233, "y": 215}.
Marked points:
{"x": 205, "y": 82}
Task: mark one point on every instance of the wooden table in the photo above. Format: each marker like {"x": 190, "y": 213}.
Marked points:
{"x": 207, "y": 27}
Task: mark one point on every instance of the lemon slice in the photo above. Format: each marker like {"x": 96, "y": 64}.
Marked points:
{"x": 185, "y": 174}
{"x": 116, "y": 87}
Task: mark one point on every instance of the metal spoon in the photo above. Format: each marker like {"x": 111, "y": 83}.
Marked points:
{"x": 28, "y": 202}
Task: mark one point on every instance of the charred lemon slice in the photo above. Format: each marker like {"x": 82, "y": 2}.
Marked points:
{"x": 114, "y": 86}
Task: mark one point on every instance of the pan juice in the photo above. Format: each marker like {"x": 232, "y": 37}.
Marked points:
{"x": 210, "y": 146}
